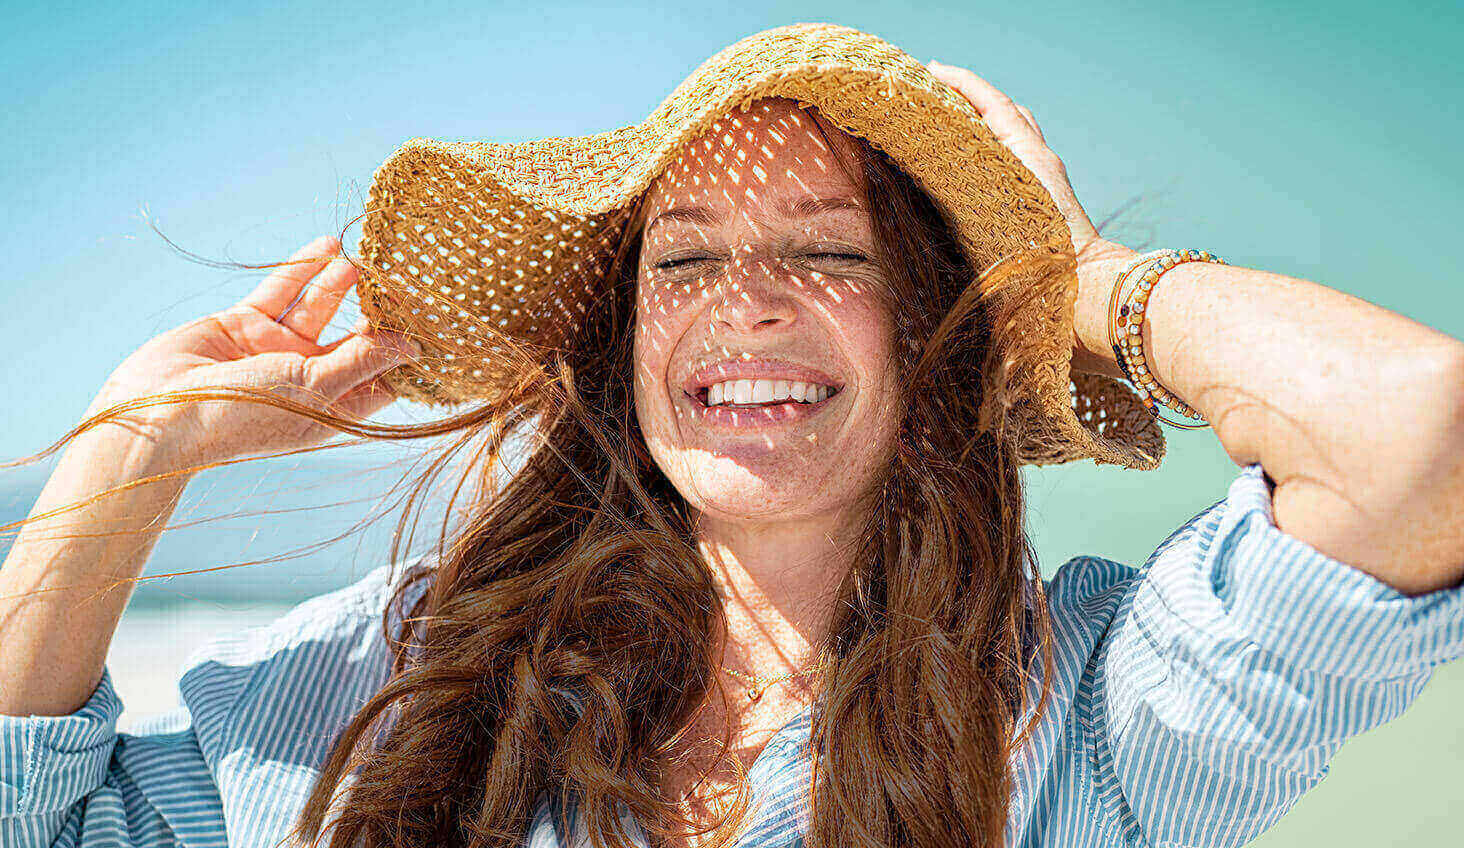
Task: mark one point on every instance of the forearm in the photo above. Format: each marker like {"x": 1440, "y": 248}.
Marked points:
{"x": 1355, "y": 411}
{"x": 60, "y": 597}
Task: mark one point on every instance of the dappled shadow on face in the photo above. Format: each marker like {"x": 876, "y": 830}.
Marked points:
{"x": 759, "y": 260}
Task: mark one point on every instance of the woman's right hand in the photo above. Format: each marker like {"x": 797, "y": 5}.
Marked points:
{"x": 244, "y": 346}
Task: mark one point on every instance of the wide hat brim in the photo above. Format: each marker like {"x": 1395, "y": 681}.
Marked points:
{"x": 468, "y": 242}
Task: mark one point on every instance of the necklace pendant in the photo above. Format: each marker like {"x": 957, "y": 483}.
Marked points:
{"x": 755, "y": 694}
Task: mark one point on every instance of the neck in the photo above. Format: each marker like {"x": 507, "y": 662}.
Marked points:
{"x": 778, "y": 580}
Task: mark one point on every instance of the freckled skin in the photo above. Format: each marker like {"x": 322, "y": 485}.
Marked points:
{"x": 777, "y": 507}
{"x": 758, "y": 290}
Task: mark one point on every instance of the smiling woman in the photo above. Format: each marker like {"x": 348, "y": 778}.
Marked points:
{"x": 795, "y": 283}
{"x": 760, "y": 575}
{"x": 756, "y": 546}
{"x": 789, "y": 287}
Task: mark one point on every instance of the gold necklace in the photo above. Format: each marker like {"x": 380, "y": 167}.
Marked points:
{"x": 758, "y": 685}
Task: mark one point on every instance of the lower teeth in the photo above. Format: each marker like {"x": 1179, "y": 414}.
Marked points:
{"x": 760, "y": 405}
{"x": 767, "y": 403}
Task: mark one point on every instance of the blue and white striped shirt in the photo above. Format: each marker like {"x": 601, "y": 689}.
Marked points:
{"x": 1195, "y": 700}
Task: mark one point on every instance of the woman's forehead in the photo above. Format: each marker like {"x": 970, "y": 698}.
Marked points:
{"x": 767, "y": 158}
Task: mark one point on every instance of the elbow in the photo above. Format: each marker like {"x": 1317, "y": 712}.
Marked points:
{"x": 1428, "y": 444}
{"x": 1417, "y": 420}
{"x": 1441, "y": 430}
{"x": 1435, "y": 479}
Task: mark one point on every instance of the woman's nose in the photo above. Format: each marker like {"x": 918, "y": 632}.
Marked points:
{"x": 753, "y": 299}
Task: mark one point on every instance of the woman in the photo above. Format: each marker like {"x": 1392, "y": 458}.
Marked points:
{"x": 762, "y": 576}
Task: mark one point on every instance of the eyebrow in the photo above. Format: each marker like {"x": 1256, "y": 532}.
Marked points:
{"x": 806, "y": 207}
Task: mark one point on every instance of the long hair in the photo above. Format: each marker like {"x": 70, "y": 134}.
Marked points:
{"x": 568, "y": 631}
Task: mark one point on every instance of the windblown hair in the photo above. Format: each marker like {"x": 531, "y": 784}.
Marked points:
{"x": 570, "y": 631}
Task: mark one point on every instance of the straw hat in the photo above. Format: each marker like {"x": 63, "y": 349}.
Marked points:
{"x": 467, "y": 240}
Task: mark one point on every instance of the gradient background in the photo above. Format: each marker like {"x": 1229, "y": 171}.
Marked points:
{"x": 1310, "y": 139}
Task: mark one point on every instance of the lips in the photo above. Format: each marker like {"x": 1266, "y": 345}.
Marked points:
{"x": 781, "y": 411}
{"x": 756, "y": 369}
{"x": 756, "y": 417}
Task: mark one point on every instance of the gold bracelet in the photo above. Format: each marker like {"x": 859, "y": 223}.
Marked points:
{"x": 1144, "y": 384}
{"x": 1128, "y": 339}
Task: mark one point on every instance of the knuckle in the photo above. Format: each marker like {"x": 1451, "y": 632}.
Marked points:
{"x": 377, "y": 356}
{"x": 208, "y": 325}
{"x": 1053, "y": 161}
{"x": 307, "y": 372}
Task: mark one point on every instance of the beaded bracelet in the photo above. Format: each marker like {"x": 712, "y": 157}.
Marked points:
{"x": 1120, "y": 349}
{"x": 1128, "y": 340}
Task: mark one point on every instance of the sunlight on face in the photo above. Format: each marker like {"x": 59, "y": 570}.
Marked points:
{"x": 763, "y": 380}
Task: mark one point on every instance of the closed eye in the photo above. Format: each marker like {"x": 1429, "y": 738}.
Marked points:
{"x": 842, "y": 257}
{"x": 677, "y": 263}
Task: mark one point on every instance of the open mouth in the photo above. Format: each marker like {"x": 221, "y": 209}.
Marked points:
{"x": 762, "y": 393}
{"x": 752, "y": 405}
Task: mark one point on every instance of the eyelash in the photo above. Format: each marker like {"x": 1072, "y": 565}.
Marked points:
{"x": 672, "y": 264}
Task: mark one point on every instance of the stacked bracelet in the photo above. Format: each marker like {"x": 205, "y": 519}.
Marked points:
{"x": 1125, "y": 329}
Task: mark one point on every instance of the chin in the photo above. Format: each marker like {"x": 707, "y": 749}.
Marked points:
{"x": 733, "y": 489}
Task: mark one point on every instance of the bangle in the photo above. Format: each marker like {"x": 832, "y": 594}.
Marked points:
{"x": 1128, "y": 339}
{"x": 1144, "y": 385}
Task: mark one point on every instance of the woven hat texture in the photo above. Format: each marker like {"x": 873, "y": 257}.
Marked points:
{"x": 465, "y": 242}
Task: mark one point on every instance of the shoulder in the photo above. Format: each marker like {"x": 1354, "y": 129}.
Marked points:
{"x": 324, "y": 617}
{"x": 1083, "y": 599}
{"x": 1093, "y": 584}
{"x": 297, "y": 677}
{"x": 1089, "y": 593}
{"x": 343, "y": 615}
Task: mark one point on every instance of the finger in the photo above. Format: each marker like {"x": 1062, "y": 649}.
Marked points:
{"x": 321, "y": 299}
{"x": 995, "y": 108}
{"x": 1027, "y": 113}
{"x": 356, "y": 359}
{"x": 366, "y": 399}
{"x": 280, "y": 288}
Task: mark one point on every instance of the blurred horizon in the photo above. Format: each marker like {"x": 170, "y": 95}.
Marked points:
{"x": 1309, "y": 139}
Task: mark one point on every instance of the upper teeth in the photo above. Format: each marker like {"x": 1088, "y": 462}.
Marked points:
{"x": 765, "y": 391}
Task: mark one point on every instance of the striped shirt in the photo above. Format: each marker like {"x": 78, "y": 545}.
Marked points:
{"x": 1195, "y": 699}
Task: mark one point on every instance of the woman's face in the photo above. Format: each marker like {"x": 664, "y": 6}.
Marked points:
{"x": 764, "y": 381}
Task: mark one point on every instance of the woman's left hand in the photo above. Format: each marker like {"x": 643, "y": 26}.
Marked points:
{"x": 1097, "y": 257}
{"x": 1015, "y": 127}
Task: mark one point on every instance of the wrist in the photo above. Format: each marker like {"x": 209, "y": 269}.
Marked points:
{"x": 132, "y": 444}
{"x": 121, "y": 452}
{"x": 145, "y": 440}
{"x": 1099, "y": 263}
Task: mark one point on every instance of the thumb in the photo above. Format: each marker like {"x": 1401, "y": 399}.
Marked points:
{"x": 357, "y": 358}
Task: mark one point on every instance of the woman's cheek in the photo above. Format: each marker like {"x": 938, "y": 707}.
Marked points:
{"x": 865, "y": 332}
{"x": 656, "y": 332}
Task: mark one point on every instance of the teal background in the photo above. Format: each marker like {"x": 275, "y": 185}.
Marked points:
{"x": 1310, "y": 139}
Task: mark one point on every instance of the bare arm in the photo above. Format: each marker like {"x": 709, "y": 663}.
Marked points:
{"x": 1356, "y": 412}
{"x": 67, "y": 578}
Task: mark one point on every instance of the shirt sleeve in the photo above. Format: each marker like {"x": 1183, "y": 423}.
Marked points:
{"x": 258, "y": 709}
{"x": 1238, "y": 662}
{"x": 66, "y": 780}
